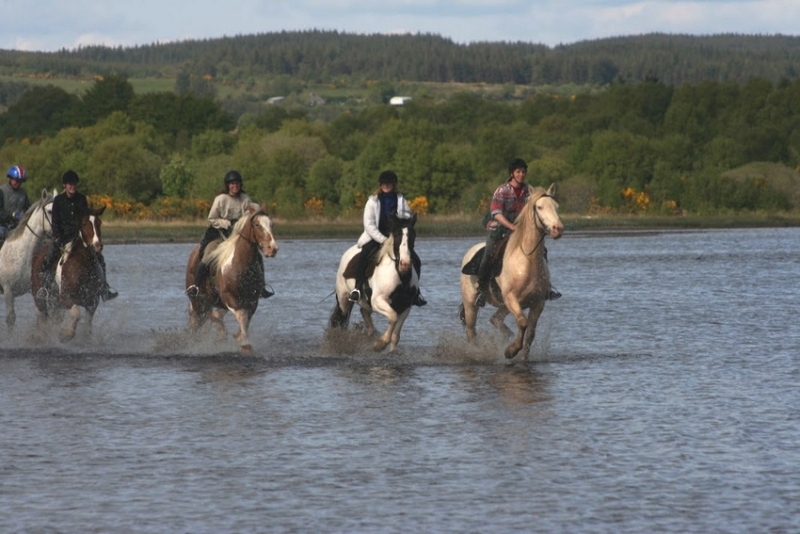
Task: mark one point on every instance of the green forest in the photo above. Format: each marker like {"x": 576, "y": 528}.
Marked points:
{"x": 665, "y": 125}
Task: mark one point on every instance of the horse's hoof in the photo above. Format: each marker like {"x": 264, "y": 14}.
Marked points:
{"x": 66, "y": 335}
{"x": 246, "y": 349}
{"x": 379, "y": 345}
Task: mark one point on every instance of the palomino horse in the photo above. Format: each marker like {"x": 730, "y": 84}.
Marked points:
{"x": 524, "y": 281}
{"x": 236, "y": 276}
{"x": 17, "y": 252}
{"x": 394, "y": 284}
{"x": 79, "y": 277}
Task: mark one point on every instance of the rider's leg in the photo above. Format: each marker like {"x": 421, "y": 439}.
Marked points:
{"x": 201, "y": 271}
{"x": 418, "y": 300}
{"x": 108, "y": 293}
{"x": 485, "y": 270}
{"x": 47, "y": 273}
{"x": 265, "y": 293}
{"x": 361, "y": 270}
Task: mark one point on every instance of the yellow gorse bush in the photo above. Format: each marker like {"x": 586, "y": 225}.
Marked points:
{"x": 640, "y": 199}
{"x": 419, "y": 205}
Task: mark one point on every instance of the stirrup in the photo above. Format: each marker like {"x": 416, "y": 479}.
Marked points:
{"x": 43, "y": 293}
{"x": 480, "y": 298}
{"x": 355, "y": 296}
{"x": 192, "y": 291}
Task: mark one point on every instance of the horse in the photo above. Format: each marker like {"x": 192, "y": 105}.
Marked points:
{"x": 79, "y": 278}
{"x": 394, "y": 283}
{"x": 16, "y": 255}
{"x": 236, "y": 276}
{"x": 524, "y": 279}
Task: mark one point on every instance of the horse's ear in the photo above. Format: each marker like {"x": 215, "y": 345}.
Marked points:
{"x": 413, "y": 220}
{"x": 45, "y": 194}
{"x": 551, "y": 191}
{"x": 100, "y": 211}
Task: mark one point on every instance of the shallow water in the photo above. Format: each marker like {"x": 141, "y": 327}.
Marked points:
{"x": 660, "y": 395}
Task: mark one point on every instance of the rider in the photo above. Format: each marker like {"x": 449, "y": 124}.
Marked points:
{"x": 68, "y": 209}
{"x": 229, "y": 206}
{"x": 14, "y": 201}
{"x": 377, "y": 211}
{"x": 507, "y": 203}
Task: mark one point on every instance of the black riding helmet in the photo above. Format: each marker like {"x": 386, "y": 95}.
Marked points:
{"x": 516, "y": 163}
{"x": 232, "y": 176}
{"x": 387, "y": 177}
{"x": 70, "y": 177}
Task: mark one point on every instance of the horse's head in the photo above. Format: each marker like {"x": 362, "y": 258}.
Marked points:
{"x": 545, "y": 211}
{"x": 260, "y": 230}
{"x": 403, "y": 237}
{"x": 90, "y": 229}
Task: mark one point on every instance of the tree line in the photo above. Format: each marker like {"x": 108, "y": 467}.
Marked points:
{"x": 328, "y": 56}
{"x": 633, "y": 147}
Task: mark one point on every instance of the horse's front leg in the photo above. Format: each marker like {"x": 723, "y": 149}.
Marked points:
{"x": 243, "y": 318}
{"x": 498, "y": 321}
{"x": 218, "y": 318}
{"x": 398, "y": 327}
{"x": 11, "y": 315}
{"x": 68, "y": 332}
{"x": 533, "y": 320}
{"x": 381, "y": 306}
{"x": 514, "y": 307}
{"x": 469, "y": 311}
{"x": 368, "y": 324}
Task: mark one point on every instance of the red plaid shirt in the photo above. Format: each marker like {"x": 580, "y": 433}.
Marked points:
{"x": 509, "y": 201}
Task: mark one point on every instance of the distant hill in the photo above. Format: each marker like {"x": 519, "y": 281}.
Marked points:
{"x": 327, "y": 56}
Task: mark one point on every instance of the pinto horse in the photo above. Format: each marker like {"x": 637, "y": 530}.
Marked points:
{"x": 16, "y": 256}
{"x": 394, "y": 283}
{"x": 79, "y": 278}
{"x": 236, "y": 276}
{"x": 524, "y": 280}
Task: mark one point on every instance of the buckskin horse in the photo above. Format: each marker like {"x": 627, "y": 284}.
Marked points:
{"x": 392, "y": 278}
{"x": 236, "y": 276}
{"x": 79, "y": 280}
{"x": 523, "y": 280}
{"x": 16, "y": 255}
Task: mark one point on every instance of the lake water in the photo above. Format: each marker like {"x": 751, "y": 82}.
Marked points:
{"x": 661, "y": 395}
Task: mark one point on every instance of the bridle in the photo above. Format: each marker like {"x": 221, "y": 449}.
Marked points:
{"x": 44, "y": 218}
{"x": 537, "y": 219}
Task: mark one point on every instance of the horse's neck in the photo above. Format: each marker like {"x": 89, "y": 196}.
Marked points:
{"x": 531, "y": 244}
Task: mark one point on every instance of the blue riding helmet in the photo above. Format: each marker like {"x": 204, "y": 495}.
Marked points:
{"x": 16, "y": 173}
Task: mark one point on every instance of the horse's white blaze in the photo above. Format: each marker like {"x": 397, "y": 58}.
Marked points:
{"x": 269, "y": 247}
{"x": 405, "y": 254}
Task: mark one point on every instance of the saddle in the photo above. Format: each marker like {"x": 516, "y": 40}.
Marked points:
{"x": 471, "y": 267}
{"x": 352, "y": 266}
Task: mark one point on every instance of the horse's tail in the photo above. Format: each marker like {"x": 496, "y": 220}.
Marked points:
{"x": 462, "y": 314}
{"x": 339, "y": 319}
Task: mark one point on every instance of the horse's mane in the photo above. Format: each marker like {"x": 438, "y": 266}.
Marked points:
{"x": 524, "y": 220}
{"x": 20, "y": 228}
{"x": 224, "y": 251}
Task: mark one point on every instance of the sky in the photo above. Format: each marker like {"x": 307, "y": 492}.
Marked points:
{"x": 49, "y": 25}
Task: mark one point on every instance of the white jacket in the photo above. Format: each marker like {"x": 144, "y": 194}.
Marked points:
{"x": 372, "y": 213}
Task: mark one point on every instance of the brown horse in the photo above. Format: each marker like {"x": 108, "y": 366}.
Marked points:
{"x": 236, "y": 276}
{"x": 79, "y": 280}
{"x": 524, "y": 280}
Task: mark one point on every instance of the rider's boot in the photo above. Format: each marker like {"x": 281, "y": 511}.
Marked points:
{"x": 484, "y": 272}
{"x": 553, "y": 294}
{"x": 265, "y": 293}
{"x": 418, "y": 299}
{"x": 109, "y": 293}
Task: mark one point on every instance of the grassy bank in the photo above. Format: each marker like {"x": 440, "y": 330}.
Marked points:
{"x": 115, "y": 232}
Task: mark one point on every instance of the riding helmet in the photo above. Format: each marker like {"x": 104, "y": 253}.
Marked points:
{"x": 387, "y": 177}
{"x": 516, "y": 163}
{"x": 70, "y": 177}
{"x": 233, "y": 176}
{"x": 16, "y": 173}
